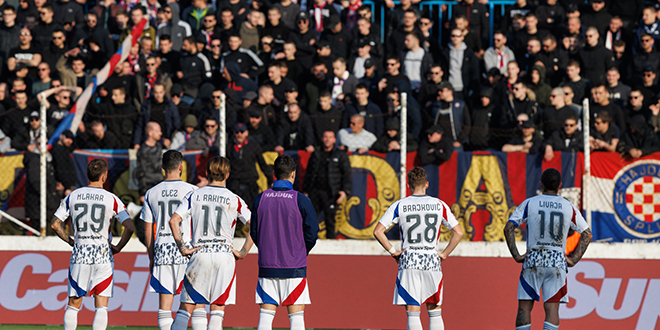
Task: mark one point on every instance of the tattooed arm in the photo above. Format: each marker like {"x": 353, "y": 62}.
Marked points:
{"x": 178, "y": 236}
{"x": 510, "y": 235}
{"x": 581, "y": 247}
{"x": 58, "y": 226}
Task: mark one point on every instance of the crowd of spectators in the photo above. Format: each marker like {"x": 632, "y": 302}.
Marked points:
{"x": 292, "y": 71}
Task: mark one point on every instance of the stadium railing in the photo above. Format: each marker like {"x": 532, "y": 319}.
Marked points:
{"x": 435, "y": 8}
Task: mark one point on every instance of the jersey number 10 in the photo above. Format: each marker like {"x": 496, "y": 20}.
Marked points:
{"x": 551, "y": 228}
{"x": 431, "y": 222}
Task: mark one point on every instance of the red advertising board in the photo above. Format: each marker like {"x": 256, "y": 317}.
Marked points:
{"x": 353, "y": 292}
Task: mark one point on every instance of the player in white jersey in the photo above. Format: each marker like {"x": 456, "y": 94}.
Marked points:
{"x": 419, "y": 280}
{"x": 91, "y": 267}
{"x": 210, "y": 277}
{"x": 548, "y": 218}
{"x": 166, "y": 262}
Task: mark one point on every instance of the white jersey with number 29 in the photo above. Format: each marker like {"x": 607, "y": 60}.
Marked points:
{"x": 420, "y": 219}
{"x": 214, "y": 211}
{"x": 91, "y": 210}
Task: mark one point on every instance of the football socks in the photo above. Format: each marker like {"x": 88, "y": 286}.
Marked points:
{"x": 266, "y": 319}
{"x": 435, "y": 318}
{"x": 550, "y": 326}
{"x": 71, "y": 318}
{"x": 297, "y": 321}
{"x": 198, "y": 319}
{"x": 100, "y": 319}
{"x": 165, "y": 319}
{"x": 215, "y": 321}
{"x": 414, "y": 322}
{"x": 181, "y": 320}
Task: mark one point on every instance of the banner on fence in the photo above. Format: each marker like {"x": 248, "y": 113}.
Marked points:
{"x": 625, "y": 198}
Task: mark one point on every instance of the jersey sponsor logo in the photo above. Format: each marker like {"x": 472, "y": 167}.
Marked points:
{"x": 636, "y": 198}
{"x": 607, "y": 299}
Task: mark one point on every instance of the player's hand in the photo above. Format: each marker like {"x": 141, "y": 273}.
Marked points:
{"x": 442, "y": 256}
{"x": 397, "y": 255}
{"x": 570, "y": 262}
{"x": 239, "y": 255}
{"x": 186, "y": 252}
{"x": 115, "y": 249}
{"x": 520, "y": 259}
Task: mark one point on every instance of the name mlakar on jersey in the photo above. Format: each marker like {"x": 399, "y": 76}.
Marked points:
{"x": 550, "y": 205}
{"x": 90, "y": 197}
{"x": 214, "y": 199}
{"x": 422, "y": 207}
{"x": 211, "y": 240}
{"x": 278, "y": 195}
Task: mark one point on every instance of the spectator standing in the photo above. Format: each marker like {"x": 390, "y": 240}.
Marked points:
{"x": 260, "y": 133}
{"x": 569, "y": 139}
{"x": 597, "y": 16}
{"x": 44, "y": 30}
{"x": 328, "y": 181}
{"x": 328, "y": 117}
{"x": 528, "y": 142}
{"x": 434, "y": 149}
{"x": 556, "y": 115}
{"x": 194, "y": 69}
{"x": 120, "y": 116}
{"x": 373, "y": 116}
{"x": 75, "y": 75}
{"x": 595, "y": 59}
{"x": 356, "y": 138}
{"x": 17, "y": 117}
{"x": 28, "y": 136}
{"x": 462, "y": 66}
{"x": 289, "y": 10}
{"x": 477, "y": 15}
{"x": 295, "y": 131}
{"x": 322, "y": 13}
{"x": 396, "y": 44}
{"x": 453, "y": 116}
{"x": 251, "y": 65}
{"x": 650, "y": 25}
{"x": 305, "y": 40}
{"x": 618, "y": 91}
{"x": 97, "y": 137}
{"x": 44, "y": 82}
{"x": 498, "y": 55}
{"x": 319, "y": 83}
{"x": 482, "y": 117}
{"x": 161, "y": 110}
{"x": 175, "y": 28}
{"x": 416, "y": 61}
{"x": 65, "y": 171}
{"x": 640, "y": 139}
{"x": 148, "y": 78}
{"x": 579, "y": 85}
{"x": 194, "y": 14}
{"x": 26, "y": 52}
{"x": 554, "y": 59}
{"x": 10, "y": 32}
{"x": 601, "y": 97}
{"x": 243, "y": 153}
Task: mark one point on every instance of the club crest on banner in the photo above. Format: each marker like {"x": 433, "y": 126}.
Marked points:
{"x": 636, "y": 198}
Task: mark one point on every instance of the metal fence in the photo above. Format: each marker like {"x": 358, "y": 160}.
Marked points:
{"x": 435, "y": 8}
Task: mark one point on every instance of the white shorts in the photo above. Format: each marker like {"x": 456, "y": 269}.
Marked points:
{"x": 167, "y": 279}
{"x": 551, "y": 280}
{"x": 90, "y": 280}
{"x": 288, "y": 291}
{"x": 415, "y": 287}
{"x": 210, "y": 279}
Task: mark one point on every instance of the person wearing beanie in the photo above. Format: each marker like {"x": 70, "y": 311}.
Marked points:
{"x": 188, "y": 131}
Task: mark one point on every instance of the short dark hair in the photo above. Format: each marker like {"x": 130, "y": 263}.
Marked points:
{"x": 11, "y": 8}
{"x": 284, "y": 166}
{"x": 165, "y": 37}
{"x": 362, "y": 86}
{"x": 96, "y": 168}
{"x": 217, "y": 168}
{"x": 417, "y": 177}
{"x": 551, "y": 179}
{"x": 171, "y": 160}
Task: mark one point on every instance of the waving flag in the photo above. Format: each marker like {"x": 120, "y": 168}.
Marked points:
{"x": 73, "y": 119}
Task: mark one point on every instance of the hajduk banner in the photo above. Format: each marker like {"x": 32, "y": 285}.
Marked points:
{"x": 625, "y": 198}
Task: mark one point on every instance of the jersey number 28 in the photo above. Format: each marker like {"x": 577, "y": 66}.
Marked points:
{"x": 431, "y": 222}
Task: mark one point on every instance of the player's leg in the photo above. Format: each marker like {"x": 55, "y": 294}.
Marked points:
{"x": 551, "y": 316}
{"x": 435, "y": 317}
{"x": 414, "y": 320}
{"x": 101, "y": 315}
{"x": 165, "y": 319}
{"x": 524, "y": 315}
{"x": 266, "y": 316}
{"x": 296, "y": 316}
{"x": 182, "y": 316}
{"x": 71, "y": 313}
{"x": 217, "y": 315}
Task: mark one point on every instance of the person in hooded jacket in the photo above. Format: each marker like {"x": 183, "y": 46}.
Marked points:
{"x": 389, "y": 141}
{"x": 539, "y": 86}
{"x": 482, "y": 116}
{"x": 639, "y": 140}
{"x": 174, "y": 27}
{"x": 516, "y": 103}
{"x": 232, "y": 74}
{"x": 594, "y": 58}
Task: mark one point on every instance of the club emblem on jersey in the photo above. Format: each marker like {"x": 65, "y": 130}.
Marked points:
{"x": 636, "y": 198}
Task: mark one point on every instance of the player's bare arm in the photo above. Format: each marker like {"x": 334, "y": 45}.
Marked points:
{"x": 379, "y": 234}
{"x": 581, "y": 248}
{"x": 178, "y": 236}
{"x": 149, "y": 242}
{"x": 125, "y": 236}
{"x": 510, "y": 236}
{"x": 456, "y": 236}
{"x": 58, "y": 226}
{"x": 239, "y": 255}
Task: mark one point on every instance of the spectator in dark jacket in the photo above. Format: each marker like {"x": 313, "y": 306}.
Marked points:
{"x": 194, "y": 68}
{"x": 477, "y": 15}
{"x": 243, "y": 153}
{"x": 461, "y": 66}
{"x": 390, "y": 140}
{"x": 65, "y": 171}
{"x": 260, "y": 133}
{"x": 337, "y": 37}
{"x": 595, "y": 59}
{"x": 453, "y": 116}
{"x": 639, "y": 140}
{"x": 481, "y": 117}
{"x": 327, "y": 117}
{"x": 555, "y": 116}
{"x": 373, "y": 116}
{"x": 328, "y": 180}
{"x": 434, "y": 149}
{"x": 148, "y": 171}
{"x": 569, "y": 139}
{"x": 295, "y": 131}
{"x": 32, "y": 166}
{"x": 528, "y": 141}
{"x": 96, "y": 137}
{"x": 161, "y": 110}
{"x": 120, "y": 117}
